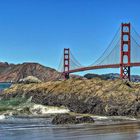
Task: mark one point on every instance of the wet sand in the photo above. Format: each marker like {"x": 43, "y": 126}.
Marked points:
{"x": 42, "y": 129}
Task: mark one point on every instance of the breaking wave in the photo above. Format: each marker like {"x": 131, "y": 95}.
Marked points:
{"x": 22, "y": 106}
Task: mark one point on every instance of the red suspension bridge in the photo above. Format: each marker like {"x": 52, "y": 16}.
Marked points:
{"x": 123, "y": 52}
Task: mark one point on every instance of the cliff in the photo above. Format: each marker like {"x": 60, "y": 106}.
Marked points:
{"x": 95, "y": 96}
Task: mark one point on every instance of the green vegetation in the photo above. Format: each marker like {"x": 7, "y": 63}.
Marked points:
{"x": 12, "y": 102}
{"x": 15, "y": 105}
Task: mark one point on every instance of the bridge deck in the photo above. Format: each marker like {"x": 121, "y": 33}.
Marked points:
{"x": 102, "y": 67}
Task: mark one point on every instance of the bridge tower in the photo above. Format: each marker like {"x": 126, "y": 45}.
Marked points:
{"x": 66, "y": 63}
{"x": 125, "y": 52}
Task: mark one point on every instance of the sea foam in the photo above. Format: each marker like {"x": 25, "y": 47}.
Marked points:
{"x": 41, "y": 109}
{"x": 2, "y": 117}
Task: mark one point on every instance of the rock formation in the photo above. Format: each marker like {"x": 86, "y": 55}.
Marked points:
{"x": 71, "y": 119}
{"x": 95, "y": 96}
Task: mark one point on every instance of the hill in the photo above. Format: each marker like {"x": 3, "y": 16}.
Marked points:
{"x": 13, "y": 72}
{"x": 111, "y": 76}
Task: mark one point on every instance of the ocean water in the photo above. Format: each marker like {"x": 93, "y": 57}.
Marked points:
{"x": 22, "y": 120}
{"x": 42, "y": 129}
{"x": 4, "y": 85}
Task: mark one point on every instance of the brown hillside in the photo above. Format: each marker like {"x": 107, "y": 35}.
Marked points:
{"x": 12, "y": 72}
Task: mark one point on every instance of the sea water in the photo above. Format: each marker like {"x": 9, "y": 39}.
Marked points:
{"x": 4, "y": 85}
{"x": 42, "y": 129}
{"x": 38, "y": 126}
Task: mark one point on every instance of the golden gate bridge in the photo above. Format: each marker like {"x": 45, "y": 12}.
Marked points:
{"x": 123, "y": 52}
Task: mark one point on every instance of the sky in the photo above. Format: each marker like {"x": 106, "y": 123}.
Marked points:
{"x": 38, "y": 30}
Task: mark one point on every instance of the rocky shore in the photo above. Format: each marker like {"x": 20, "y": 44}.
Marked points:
{"x": 94, "y": 96}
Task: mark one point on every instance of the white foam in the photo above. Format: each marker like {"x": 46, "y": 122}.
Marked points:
{"x": 114, "y": 117}
{"x": 2, "y": 117}
{"x": 40, "y": 109}
{"x": 100, "y": 117}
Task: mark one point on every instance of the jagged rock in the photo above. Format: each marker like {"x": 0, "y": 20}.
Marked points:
{"x": 71, "y": 119}
{"x": 85, "y": 119}
{"x": 95, "y": 96}
{"x": 29, "y": 79}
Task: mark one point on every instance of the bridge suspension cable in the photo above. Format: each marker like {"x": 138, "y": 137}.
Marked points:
{"x": 113, "y": 57}
{"x": 74, "y": 63}
{"x": 135, "y": 51}
{"x": 108, "y": 49}
{"x": 60, "y": 66}
{"x": 135, "y": 34}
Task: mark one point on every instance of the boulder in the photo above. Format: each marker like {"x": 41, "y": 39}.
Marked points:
{"x": 85, "y": 119}
{"x": 71, "y": 119}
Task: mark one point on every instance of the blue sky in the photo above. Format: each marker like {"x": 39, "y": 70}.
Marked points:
{"x": 38, "y": 30}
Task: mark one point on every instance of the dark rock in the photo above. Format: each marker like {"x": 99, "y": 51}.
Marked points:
{"x": 85, "y": 119}
{"x": 71, "y": 119}
{"x": 64, "y": 119}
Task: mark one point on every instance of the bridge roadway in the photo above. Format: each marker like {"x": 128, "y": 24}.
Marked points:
{"x": 102, "y": 67}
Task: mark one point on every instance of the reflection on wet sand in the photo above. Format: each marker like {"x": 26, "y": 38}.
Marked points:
{"x": 126, "y": 130}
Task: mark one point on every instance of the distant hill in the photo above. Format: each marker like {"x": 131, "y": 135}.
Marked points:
{"x": 102, "y": 76}
{"x": 13, "y": 72}
{"x": 134, "y": 78}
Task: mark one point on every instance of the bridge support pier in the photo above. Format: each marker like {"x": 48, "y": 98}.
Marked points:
{"x": 125, "y": 51}
{"x": 66, "y": 63}
{"x": 66, "y": 76}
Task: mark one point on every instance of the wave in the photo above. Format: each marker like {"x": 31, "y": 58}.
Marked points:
{"x": 114, "y": 118}
{"x": 41, "y": 109}
{"x": 2, "y": 117}
{"x": 22, "y": 106}
{"x": 25, "y": 107}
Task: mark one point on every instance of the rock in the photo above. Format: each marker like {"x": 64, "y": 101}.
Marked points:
{"x": 85, "y": 119}
{"x": 29, "y": 79}
{"x": 94, "y": 96}
{"x": 71, "y": 119}
{"x": 64, "y": 119}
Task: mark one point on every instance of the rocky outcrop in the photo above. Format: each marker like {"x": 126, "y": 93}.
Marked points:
{"x": 95, "y": 96}
{"x": 12, "y": 72}
{"x": 71, "y": 119}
